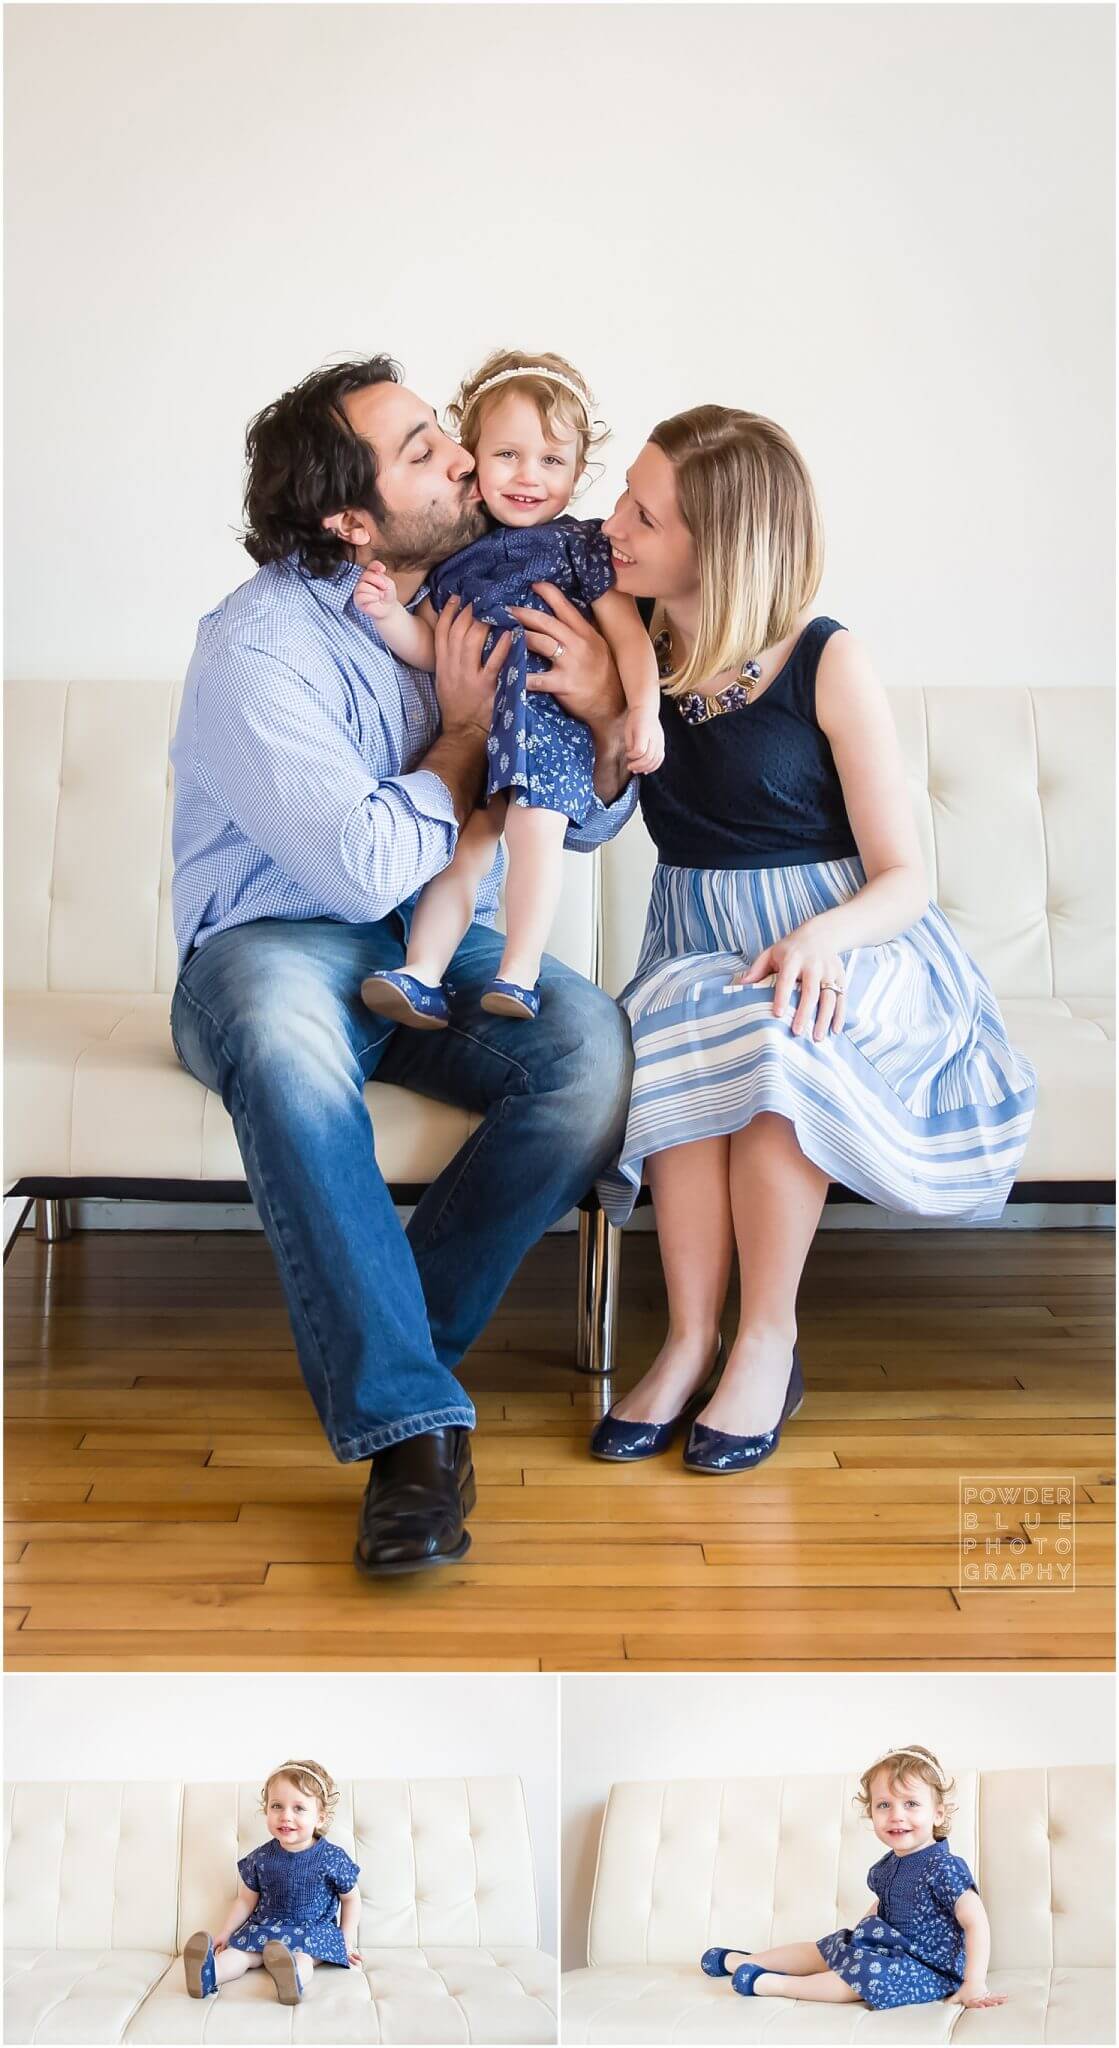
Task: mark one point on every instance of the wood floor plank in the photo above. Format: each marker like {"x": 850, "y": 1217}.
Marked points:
{"x": 173, "y": 1505}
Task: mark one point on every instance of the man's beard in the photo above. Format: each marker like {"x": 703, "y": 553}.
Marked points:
{"x": 415, "y": 541}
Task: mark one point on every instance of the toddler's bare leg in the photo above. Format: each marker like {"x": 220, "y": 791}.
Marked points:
{"x": 233, "y": 1962}
{"x": 823, "y": 1986}
{"x": 796, "y": 1959}
{"x": 445, "y": 911}
{"x": 535, "y": 842}
{"x": 305, "y": 1965}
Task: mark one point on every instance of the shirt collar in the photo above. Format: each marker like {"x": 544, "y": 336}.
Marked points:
{"x": 336, "y": 590}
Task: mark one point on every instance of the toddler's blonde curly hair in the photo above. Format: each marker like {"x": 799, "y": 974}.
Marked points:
{"x": 557, "y": 407}
{"x": 309, "y": 1778}
{"x": 916, "y": 1762}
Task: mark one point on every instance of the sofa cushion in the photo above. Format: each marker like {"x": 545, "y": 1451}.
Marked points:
{"x": 421, "y": 1995}
{"x": 79, "y": 1995}
{"x": 92, "y": 1087}
{"x": 638, "y": 2004}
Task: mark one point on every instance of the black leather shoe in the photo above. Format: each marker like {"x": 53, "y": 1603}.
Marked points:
{"x": 416, "y": 1503}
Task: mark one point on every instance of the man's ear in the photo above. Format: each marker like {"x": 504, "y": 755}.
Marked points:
{"x": 352, "y": 527}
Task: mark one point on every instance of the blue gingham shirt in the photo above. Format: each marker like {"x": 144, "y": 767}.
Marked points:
{"x": 296, "y": 787}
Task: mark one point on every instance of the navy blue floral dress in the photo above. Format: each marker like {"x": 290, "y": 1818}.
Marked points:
{"x": 298, "y": 1904}
{"x": 912, "y": 1950}
{"x": 537, "y": 751}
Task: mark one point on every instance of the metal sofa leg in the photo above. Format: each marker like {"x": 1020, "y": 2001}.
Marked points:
{"x": 600, "y": 1258}
{"x": 52, "y": 1221}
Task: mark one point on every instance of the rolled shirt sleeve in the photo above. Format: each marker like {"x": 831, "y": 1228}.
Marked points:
{"x": 603, "y": 822}
{"x": 275, "y": 750}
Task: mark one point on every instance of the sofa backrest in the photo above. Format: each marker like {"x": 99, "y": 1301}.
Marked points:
{"x": 91, "y": 1865}
{"x": 1013, "y": 794}
{"x": 87, "y": 842}
{"x": 445, "y": 1862}
{"x": 752, "y": 1862}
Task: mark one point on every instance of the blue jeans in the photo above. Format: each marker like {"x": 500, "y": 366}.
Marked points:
{"x": 269, "y": 1015}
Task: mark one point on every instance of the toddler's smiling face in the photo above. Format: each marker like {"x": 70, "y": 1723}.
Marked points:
{"x": 525, "y": 474}
{"x": 904, "y": 1813}
{"x": 291, "y": 1815}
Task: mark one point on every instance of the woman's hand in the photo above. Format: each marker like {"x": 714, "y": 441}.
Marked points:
{"x": 976, "y": 1994}
{"x": 799, "y": 959}
{"x": 582, "y": 677}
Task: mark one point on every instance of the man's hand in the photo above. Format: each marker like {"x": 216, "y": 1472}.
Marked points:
{"x": 464, "y": 685}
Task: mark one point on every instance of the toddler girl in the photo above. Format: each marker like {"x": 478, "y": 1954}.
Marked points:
{"x": 527, "y": 422}
{"x": 929, "y": 1938}
{"x": 286, "y": 1913}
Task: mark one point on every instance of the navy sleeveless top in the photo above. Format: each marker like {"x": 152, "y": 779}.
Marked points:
{"x": 755, "y": 788}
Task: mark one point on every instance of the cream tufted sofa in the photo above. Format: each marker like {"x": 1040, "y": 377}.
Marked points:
{"x": 105, "y": 1882}
{"x": 761, "y": 1861}
{"x": 1012, "y": 790}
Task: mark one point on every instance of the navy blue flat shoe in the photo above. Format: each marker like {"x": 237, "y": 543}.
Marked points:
{"x": 392, "y": 993}
{"x": 623, "y": 1443}
{"x": 745, "y": 1978}
{"x": 713, "y": 1961}
{"x": 509, "y": 999}
{"x": 198, "y": 1962}
{"x": 715, "y": 1450}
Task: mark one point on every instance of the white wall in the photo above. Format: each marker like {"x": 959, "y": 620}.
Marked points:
{"x": 887, "y": 226}
{"x": 641, "y": 1726}
{"x": 239, "y": 1725}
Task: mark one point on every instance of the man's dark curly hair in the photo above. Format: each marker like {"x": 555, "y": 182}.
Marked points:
{"x": 305, "y": 462}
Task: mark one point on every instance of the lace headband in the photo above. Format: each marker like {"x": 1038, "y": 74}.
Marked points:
{"x": 291, "y": 1765}
{"x": 919, "y": 1756}
{"x": 531, "y": 370}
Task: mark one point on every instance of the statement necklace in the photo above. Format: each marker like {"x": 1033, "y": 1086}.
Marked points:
{"x": 695, "y": 708}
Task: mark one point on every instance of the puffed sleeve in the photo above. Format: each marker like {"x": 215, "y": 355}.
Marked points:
{"x": 341, "y": 1870}
{"x": 876, "y": 1875}
{"x": 590, "y": 559}
{"x": 248, "y": 1870}
{"x": 950, "y": 1879}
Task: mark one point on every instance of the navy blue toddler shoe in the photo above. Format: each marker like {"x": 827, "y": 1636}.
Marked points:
{"x": 509, "y": 999}
{"x": 713, "y": 1961}
{"x": 745, "y": 1978}
{"x": 625, "y": 1442}
{"x": 715, "y": 1450}
{"x": 392, "y": 993}
{"x": 198, "y": 1962}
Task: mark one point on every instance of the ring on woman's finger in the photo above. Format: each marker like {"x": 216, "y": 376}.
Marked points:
{"x": 836, "y": 987}
{"x": 558, "y": 650}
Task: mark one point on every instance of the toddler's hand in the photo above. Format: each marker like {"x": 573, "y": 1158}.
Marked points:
{"x": 218, "y": 1947}
{"x": 976, "y": 1994}
{"x": 355, "y": 1959}
{"x": 644, "y": 742}
{"x": 375, "y": 593}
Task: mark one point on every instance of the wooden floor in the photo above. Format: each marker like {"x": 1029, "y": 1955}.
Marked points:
{"x": 171, "y": 1503}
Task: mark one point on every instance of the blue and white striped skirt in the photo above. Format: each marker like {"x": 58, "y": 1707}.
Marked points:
{"x": 920, "y": 1103}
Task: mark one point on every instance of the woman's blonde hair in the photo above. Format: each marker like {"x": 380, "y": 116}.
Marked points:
{"x": 917, "y": 1762}
{"x": 559, "y": 409}
{"x": 747, "y": 499}
{"x": 309, "y": 1778}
